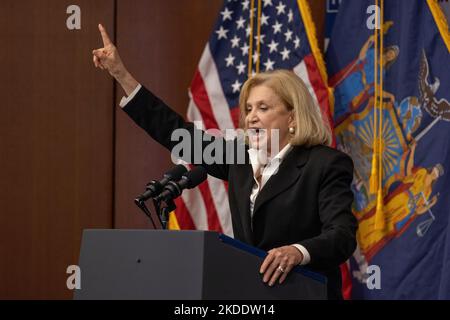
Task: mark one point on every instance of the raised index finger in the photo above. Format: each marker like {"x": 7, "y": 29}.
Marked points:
{"x": 105, "y": 37}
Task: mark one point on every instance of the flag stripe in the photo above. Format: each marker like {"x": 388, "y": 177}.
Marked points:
{"x": 320, "y": 90}
{"x": 184, "y": 217}
{"x": 219, "y": 190}
{"x": 302, "y": 71}
{"x": 217, "y": 206}
{"x": 211, "y": 81}
{"x": 196, "y": 207}
{"x": 210, "y": 206}
{"x": 201, "y": 100}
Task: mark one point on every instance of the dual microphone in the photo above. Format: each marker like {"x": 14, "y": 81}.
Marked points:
{"x": 173, "y": 183}
{"x": 168, "y": 188}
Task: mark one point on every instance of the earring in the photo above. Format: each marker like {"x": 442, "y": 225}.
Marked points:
{"x": 291, "y": 130}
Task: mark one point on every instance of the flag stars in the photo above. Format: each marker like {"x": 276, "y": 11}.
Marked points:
{"x": 264, "y": 20}
{"x": 273, "y": 46}
{"x": 282, "y": 47}
{"x": 235, "y": 41}
{"x": 261, "y": 38}
{"x": 226, "y": 14}
{"x": 297, "y": 42}
{"x": 255, "y": 57}
{"x": 245, "y": 5}
{"x": 269, "y": 64}
{"x": 280, "y": 8}
{"x": 236, "y": 86}
{"x": 285, "y": 53}
{"x": 277, "y": 27}
{"x": 288, "y": 35}
{"x": 230, "y": 60}
{"x": 248, "y": 30}
{"x": 290, "y": 16}
{"x": 245, "y": 49}
{"x": 241, "y": 67}
{"x": 222, "y": 33}
{"x": 240, "y": 23}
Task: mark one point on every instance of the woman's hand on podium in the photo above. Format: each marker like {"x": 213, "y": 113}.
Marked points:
{"x": 279, "y": 262}
{"x": 108, "y": 58}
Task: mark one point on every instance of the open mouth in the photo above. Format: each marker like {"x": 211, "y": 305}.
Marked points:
{"x": 256, "y": 135}
{"x": 256, "y": 131}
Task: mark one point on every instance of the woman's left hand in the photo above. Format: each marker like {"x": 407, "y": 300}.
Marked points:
{"x": 279, "y": 262}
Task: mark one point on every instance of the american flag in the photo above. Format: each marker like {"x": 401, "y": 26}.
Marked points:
{"x": 286, "y": 38}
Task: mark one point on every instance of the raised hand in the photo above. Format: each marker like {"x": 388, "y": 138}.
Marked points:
{"x": 107, "y": 58}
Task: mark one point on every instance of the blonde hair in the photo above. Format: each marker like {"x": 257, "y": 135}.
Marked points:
{"x": 311, "y": 129}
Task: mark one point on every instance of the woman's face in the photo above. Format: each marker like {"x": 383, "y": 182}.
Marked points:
{"x": 266, "y": 113}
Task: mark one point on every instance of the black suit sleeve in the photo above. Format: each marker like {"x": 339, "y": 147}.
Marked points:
{"x": 160, "y": 121}
{"x": 337, "y": 240}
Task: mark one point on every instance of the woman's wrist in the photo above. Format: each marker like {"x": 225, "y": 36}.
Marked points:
{"x": 127, "y": 81}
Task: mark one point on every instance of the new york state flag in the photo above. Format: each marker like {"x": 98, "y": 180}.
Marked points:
{"x": 391, "y": 88}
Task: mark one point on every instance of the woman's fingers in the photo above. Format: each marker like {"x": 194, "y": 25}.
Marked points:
{"x": 272, "y": 273}
{"x": 97, "y": 62}
{"x": 105, "y": 37}
{"x": 107, "y": 58}
{"x": 266, "y": 263}
{"x": 99, "y": 53}
{"x": 100, "y": 58}
{"x": 285, "y": 273}
{"x": 269, "y": 266}
{"x": 278, "y": 263}
{"x": 279, "y": 271}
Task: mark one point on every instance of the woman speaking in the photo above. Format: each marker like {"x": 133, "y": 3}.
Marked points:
{"x": 295, "y": 200}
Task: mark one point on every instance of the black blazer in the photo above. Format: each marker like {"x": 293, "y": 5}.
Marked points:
{"x": 308, "y": 201}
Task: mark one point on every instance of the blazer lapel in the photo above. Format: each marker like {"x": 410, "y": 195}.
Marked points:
{"x": 243, "y": 187}
{"x": 288, "y": 172}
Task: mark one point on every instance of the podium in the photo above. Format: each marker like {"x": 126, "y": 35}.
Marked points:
{"x": 182, "y": 265}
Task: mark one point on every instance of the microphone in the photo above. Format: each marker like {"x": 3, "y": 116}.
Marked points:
{"x": 154, "y": 187}
{"x": 189, "y": 180}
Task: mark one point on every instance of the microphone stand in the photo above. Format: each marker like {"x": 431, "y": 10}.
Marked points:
{"x": 141, "y": 204}
{"x": 163, "y": 212}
